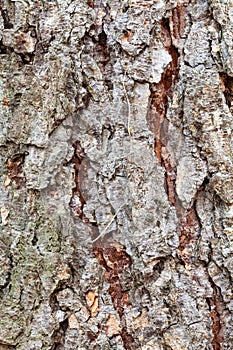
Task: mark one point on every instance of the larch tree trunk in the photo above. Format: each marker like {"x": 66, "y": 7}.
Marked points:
{"x": 116, "y": 174}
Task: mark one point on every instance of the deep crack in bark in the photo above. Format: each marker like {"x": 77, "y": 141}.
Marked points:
{"x": 189, "y": 222}
{"x": 78, "y": 201}
{"x": 78, "y": 156}
{"x": 96, "y": 43}
{"x": 115, "y": 261}
{"x": 215, "y": 304}
{"x": 59, "y": 334}
{"x": 227, "y": 86}
{"x": 15, "y": 170}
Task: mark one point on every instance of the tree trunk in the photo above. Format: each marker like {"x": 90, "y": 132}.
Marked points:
{"x": 117, "y": 175}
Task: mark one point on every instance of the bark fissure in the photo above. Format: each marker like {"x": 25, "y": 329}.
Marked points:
{"x": 216, "y": 306}
{"x": 7, "y": 284}
{"x": 15, "y": 170}
{"x": 160, "y": 95}
{"x": 4, "y": 50}
{"x": 115, "y": 262}
{"x": 7, "y": 347}
{"x": 227, "y": 86}
{"x": 189, "y": 221}
{"x": 6, "y": 20}
{"x": 78, "y": 200}
{"x": 96, "y": 43}
{"x": 78, "y": 156}
{"x": 59, "y": 334}
{"x": 159, "y": 100}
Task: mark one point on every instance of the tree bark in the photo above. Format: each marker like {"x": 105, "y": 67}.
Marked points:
{"x": 117, "y": 175}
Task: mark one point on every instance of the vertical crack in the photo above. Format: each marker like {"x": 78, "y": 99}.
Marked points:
{"x": 96, "y": 43}
{"x": 78, "y": 199}
{"x": 59, "y": 334}
{"x": 115, "y": 262}
{"x": 189, "y": 222}
{"x": 216, "y": 304}
{"x": 7, "y": 283}
{"x": 6, "y": 20}
{"x": 77, "y": 205}
{"x": 227, "y": 86}
{"x": 172, "y": 31}
{"x": 15, "y": 170}
{"x": 158, "y": 105}
{"x": 159, "y": 101}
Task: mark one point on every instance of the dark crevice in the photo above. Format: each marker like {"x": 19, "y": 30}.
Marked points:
{"x": 115, "y": 262}
{"x": 16, "y": 171}
{"x": 181, "y": 20}
{"x": 128, "y": 340}
{"x": 7, "y": 283}
{"x": 77, "y": 159}
{"x": 227, "y": 86}
{"x": 125, "y": 8}
{"x": 78, "y": 200}
{"x": 15, "y": 102}
{"x": 104, "y": 58}
{"x": 83, "y": 101}
{"x": 91, "y": 3}
{"x": 161, "y": 94}
{"x": 159, "y": 267}
{"x": 56, "y": 123}
{"x": 7, "y": 347}
{"x": 189, "y": 233}
{"x": 167, "y": 347}
{"x": 27, "y": 58}
{"x": 96, "y": 44}
{"x": 6, "y": 20}
{"x": 159, "y": 100}
{"x": 24, "y": 56}
{"x": 59, "y": 335}
{"x": 34, "y": 240}
{"x": 4, "y": 50}
{"x": 216, "y": 306}
{"x": 53, "y": 297}
{"x": 205, "y": 182}
{"x": 44, "y": 45}
{"x": 92, "y": 336}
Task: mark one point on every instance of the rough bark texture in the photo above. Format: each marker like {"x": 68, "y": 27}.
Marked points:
{"x": 116, "y": 174}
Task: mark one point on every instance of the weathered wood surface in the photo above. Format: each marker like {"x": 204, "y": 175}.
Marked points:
{"x": 116, "y": 175}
